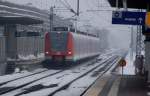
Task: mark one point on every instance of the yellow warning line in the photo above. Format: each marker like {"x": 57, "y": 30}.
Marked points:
{"x": 97, "y": 86}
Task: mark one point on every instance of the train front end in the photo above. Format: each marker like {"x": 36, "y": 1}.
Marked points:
{"x": 58, "y": 47}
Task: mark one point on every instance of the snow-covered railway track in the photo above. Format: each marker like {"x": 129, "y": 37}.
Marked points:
{"x": 19, "y": 83}
{"x": 99, "y": 68}
{"x": 5, "y": 80}
{"x": 81, "y": 85}
{"x": 50, "y": 85}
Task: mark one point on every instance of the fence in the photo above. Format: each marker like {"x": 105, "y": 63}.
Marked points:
{"x": 27, "y": 46}
{"x": 2, "y": 55}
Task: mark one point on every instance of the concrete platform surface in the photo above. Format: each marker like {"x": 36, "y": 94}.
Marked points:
{"x": 117, "y": 85}
{"x": 97, "y": 87}
{"x": 132, "y": 86}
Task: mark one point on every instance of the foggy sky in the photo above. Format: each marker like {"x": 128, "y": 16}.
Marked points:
{"x": 119, "y": 36}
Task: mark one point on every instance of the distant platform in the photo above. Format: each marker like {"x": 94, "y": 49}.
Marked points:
{"x": 116, "y": 85}
{"x": 19, "y": 20}
{"x": 137, "y": 4}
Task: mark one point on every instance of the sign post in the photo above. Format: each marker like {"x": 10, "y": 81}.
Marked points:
{"x": 128, "y": 18}
{"x": 122, "y": 63}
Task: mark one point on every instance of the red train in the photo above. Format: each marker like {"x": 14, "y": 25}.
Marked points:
{"x": 68, "y": 47}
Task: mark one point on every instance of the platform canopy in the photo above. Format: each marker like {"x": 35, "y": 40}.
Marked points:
{"x": 19, "y": 20}
{"x": 137, "y": 4}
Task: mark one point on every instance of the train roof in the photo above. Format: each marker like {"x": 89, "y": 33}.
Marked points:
{"x": 66, "y": 29}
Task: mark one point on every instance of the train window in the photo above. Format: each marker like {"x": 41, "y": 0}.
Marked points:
{"x": 60, "y": 29}
{"x": 72, "y": 30}
{"x": 27, "y": 34}
{"x": 58, "y": 41}
{"x": 33, "y": 34}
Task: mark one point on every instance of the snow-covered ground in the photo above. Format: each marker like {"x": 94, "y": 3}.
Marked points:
{"x": 29, "y": 79}
{"x": 18, "y": 75}
{"x": 78, "y": 87}
{"x": 31, "y": 56}
{"x": 60, "y": 79}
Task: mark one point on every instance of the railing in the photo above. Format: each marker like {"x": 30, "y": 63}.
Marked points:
{"x": 27, "y": 46}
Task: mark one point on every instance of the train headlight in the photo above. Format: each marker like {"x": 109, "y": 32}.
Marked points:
{"x": 69, "y": 52}
{"x": 46, "y": 52}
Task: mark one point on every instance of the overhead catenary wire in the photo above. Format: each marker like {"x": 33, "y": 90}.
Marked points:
{"x": 68, "y": 4}
{"x": 95, "y": 11}
{"x": 68, "y": 7}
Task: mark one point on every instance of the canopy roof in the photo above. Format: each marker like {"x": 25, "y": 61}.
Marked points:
{"x": 137, "y": 4}
{"x": 19, "y": 20}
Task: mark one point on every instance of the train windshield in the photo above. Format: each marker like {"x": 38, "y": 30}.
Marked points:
{"x": 59, "y": 41}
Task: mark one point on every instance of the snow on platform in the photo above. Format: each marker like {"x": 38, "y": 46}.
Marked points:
{"x": 31, "y": 56}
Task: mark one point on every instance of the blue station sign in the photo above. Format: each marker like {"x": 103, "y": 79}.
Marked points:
{"x": 128, "y": 18}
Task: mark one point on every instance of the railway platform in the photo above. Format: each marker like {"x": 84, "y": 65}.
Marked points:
{"x": 119, "y": 82}
{"x": 117, "y": 85}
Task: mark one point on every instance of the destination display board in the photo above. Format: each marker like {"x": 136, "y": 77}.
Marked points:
{"x": 128, "y": 18}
